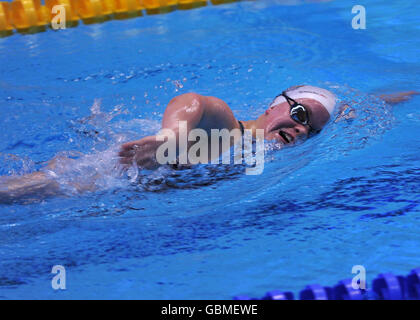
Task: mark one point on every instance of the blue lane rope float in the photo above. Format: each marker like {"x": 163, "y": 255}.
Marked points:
{"x": 413, "y": 284}
{"x": 389, "y": 287}
{"x": 385, "y": 286}
{"x": 345, "y": 291}
{"x": 31, "y": 16}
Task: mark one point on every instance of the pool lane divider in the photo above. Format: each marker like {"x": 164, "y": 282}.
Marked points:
{"x": 31, "y": 16}
{"x": 385, "y": 286}
{"x": 6, "y": 26}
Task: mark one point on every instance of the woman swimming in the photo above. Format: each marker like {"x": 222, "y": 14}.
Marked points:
{"x": 297, "y": 113}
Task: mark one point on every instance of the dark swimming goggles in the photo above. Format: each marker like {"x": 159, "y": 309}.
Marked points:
{"x": 299, "y": 113}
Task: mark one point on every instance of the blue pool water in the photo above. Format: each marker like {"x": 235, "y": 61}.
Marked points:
{"x": 349, "y": 196}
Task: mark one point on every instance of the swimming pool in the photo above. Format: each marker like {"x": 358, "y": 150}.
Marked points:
{"x": 350, "y": 196}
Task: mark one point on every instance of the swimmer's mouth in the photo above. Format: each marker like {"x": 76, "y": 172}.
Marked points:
{"x": 286, "y": 137}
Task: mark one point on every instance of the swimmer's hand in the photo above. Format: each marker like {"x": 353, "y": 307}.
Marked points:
{"x": 346, "y": 113}
{"x": 140, "y": 152}
{"x": 398, "y": 97}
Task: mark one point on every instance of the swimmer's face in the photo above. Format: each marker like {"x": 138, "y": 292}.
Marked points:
{"x": 278, "y": 124}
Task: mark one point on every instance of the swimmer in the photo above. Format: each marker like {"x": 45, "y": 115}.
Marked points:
{"x": 297, "y": 113}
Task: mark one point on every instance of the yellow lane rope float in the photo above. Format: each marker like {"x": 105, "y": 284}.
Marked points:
{"x": 30, "y": 16}
{"x": 6, "y": 27}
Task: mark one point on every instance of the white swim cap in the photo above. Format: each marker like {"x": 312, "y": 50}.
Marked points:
{"x": 324, "y": 97}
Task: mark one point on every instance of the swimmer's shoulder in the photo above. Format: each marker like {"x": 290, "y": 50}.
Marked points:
{"x": 218, "y": 110}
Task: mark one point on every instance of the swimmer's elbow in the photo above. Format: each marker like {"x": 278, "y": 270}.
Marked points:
{"x": 186, "y": 107}
{"x": 187, "y": 98}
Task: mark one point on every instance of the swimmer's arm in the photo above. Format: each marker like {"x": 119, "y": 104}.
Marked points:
{"x": 187, "y": 107}
{"x": 196, "y": 110}
{"x": 398, "y": 97}
{"x": 348, "y": 113}
{"x": 41, "y": 184}
{"x": 34, "y": 186}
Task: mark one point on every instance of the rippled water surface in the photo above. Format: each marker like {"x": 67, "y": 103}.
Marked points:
{"x": 349, "y": 196}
